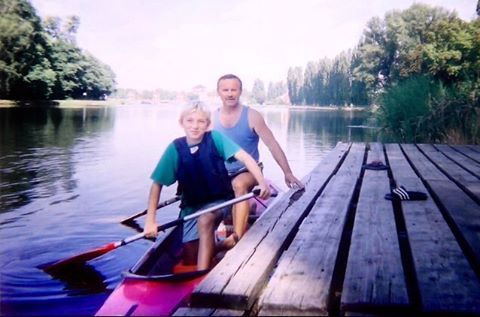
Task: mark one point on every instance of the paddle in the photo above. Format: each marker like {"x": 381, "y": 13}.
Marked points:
{"x": 86, "y": 256}
{"x": 160, "y": 205}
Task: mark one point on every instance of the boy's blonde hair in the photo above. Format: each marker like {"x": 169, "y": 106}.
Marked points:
{"x": 196, "y": 106}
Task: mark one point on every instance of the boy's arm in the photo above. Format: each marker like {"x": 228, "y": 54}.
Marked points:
{"x": 150, "y": 229}
{"x": 253, "y": 168}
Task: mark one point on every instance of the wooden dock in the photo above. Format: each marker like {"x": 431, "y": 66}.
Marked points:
{"x": 340, "y": 248}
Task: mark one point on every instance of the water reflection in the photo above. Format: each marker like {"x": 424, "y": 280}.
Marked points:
{"x": 80, "y": 279}
{"x": 37, "y": 149}
{"x": 68, "y": 176}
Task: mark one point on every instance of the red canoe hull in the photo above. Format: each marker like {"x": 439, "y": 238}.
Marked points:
{"x": 148, "y": 298}
{"x": 151, "y": 288}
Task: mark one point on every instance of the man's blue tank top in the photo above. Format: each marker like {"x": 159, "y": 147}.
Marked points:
{"x": 241, "y": 134}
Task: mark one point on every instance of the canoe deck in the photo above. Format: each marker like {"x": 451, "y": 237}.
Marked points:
{"x": 339, "y": 247}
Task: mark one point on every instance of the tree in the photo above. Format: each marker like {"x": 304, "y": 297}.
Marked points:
{"x": 294, "y": 85}
{"x": 322, "y": 79}
{"x": 310, "y": 84}
{"x": 395, "y": 48}
{"x": 275, "y": 91}
{"x": 41, "y": 60}
{"x": 70, "y": 28}
{"x": 258, "y": 91}
{"x": 25, "y": 67}
{"x": 339, "y": 80}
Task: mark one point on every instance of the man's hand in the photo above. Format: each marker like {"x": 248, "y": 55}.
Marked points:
{"x": 292, "y": 182}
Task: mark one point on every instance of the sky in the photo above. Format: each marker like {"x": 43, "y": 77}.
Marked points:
{"x": 178, "y": 44}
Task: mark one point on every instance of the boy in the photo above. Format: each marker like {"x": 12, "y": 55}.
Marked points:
{"x": 196, "y": 161}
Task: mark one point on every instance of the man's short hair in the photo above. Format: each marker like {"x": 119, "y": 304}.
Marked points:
{"x": 230, "y": 76}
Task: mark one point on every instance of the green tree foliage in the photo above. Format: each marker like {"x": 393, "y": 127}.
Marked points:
{"x": 403, "y": 107}
{"x": 258, "y": 91}
{"x": 25, "y": 69}
{"x": 420, "y": 65}
{"x": 431, "y": 48}
{"x": 420, "y": 40}
{"x": 41, "y": 60}
{"x": 310, "y": 83}
{"x": 339, "y": 80}
{"x": 295, "y": 85}
{"x": 322, "y": 80}
{"x": 328, "y": 82}
{"x": 276, "y": 92}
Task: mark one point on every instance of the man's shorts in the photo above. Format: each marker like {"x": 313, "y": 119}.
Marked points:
{"x": 243, "y": 169}
{"x": 190, "y": 228}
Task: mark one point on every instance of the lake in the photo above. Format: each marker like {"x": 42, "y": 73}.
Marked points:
{"x": 68, "y": 176}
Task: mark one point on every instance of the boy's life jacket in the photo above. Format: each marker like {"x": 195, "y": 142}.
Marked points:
{"x": 202, "y": 176}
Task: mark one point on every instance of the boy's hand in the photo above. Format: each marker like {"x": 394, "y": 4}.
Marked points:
{"x": 264, "y": 191}
{"x": 150, "y": 229}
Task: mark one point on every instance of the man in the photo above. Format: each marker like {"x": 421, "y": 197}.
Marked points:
{"x": 245, "y": 126}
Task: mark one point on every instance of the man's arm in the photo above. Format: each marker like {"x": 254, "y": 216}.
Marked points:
{"x": 257, "y": 123}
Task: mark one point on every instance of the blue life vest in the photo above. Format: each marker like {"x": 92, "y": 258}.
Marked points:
{"x": 202, "y": 176}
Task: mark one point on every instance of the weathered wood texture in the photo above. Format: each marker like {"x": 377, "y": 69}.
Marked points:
{"x": 467, "y": 150}
{"x": 341, "y": 248}
{"x": 460, "y": 176}
{"x": 191, "y": 311}
{"x": 302, "y": 279}
{"x": 374, "y": 275}
{"x": 461, "y": 211}
{"x": 438, "y": 261}
{"x": 463, "y": 156}
{"x": 240, "y": 276}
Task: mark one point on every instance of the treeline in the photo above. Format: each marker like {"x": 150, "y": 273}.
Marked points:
{"x": 420, "y": 68}
{"x": 40, "y": 60}
{"x": 326, "y": 82}
{"x": 274, "y": 94}
{"x": 422, "y": 40}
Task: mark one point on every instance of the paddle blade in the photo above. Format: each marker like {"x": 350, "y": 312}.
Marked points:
{"x": 77, "y": 259}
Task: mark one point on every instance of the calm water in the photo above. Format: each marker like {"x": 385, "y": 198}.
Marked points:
{"x": 68, "y": 176}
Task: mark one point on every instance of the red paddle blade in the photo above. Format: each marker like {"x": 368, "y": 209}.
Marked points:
{"x": 78, "y": 259}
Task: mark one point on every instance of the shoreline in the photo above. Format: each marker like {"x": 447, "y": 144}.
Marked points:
{"x": 121, "y": 102}
{"x": 59, "y": 103}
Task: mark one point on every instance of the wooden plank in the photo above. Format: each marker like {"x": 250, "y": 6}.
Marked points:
{"x": 446, "y": 281}
{"x": 190, "y": 311}
{"x": 464, "y": 179}
{"x": 302, "y": 280}
{"x": 374, "y": 277}
{"x": 474, "y": 147}
{"x": 464, "y": 160}
{"x": 238, "y": 279}
{"x": 460, "y": 209}
{"x": 469, "y": 150}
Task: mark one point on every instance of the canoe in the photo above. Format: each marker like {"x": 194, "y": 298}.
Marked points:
{"x": 163, "y": 279}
